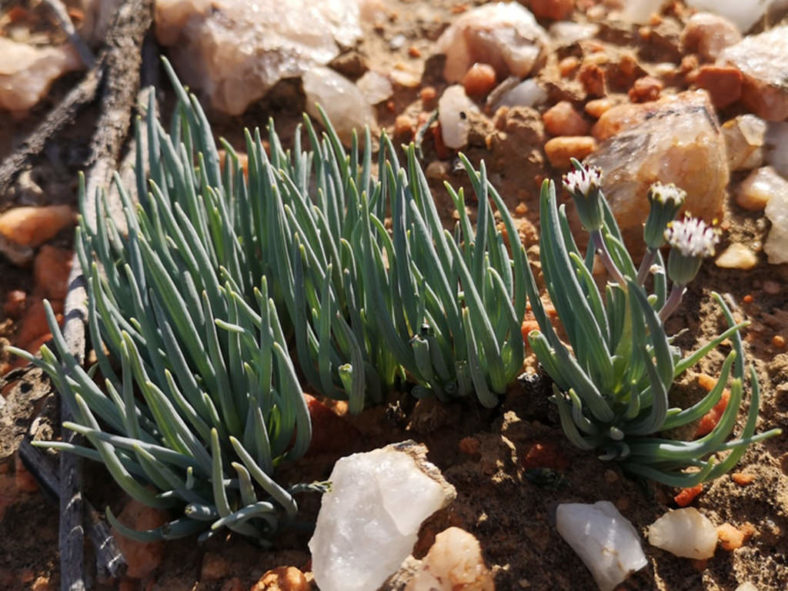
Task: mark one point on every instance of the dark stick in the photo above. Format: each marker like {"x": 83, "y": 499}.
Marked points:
{"x": 121, "y": 81}
{"x": 109, "y": 559}
{"x": 63, "y": 114}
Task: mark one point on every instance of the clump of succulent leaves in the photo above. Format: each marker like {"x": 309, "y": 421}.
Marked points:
{"x": 217, "y": 275}
{"x": 612, "y": 386}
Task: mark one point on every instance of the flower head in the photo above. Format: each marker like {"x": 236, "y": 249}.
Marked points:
{"x": 691, "y": 240}
{"x": 668, "y": 194}
{"x": 692, "y": 237}
{"x": 665, "y": 201}
{"x": 585, "y": 186}
{"x": 581, "y": 182}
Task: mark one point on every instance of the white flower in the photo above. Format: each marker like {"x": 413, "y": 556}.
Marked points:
{"x": 582, "y": 182}
{"x": 668, "y": 194}
{"x": 692, "y": 237}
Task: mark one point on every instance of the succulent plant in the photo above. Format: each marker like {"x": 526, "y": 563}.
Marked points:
{"x": 458, "y": 300}
{"x": 612, "y": 386}
{"x": 217, "y": 274}
{"x": 201, "y": 400}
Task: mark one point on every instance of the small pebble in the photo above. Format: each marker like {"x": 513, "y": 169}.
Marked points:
{"x": 568, "y": 65}
{"x": 15, "y": 302}
{"x": 552, "y": 9}
{"x": 737, "y": 256}
{"x": 283, "y": 578}
{"x": 213, "y": 567}
{"x": 469, "y": 446}
{"x": 729, "y": 537}
{"x": 778, "y": 341}
{"x": 32, "y": 226}
{"x": 143, "y": 558}
{"x": 597, "y": 107}
{"x": 562, "y": 119}
{"x": 742, "y": 479}
{"x": 771, "y": 287}
{"x": 559, "y": 150}
{"x": 403, "y": 126}
{"x": 592, "y": 77}
{"x": 708, "y": 34}
{"x": 645, "y": 89}
{"x": 479, "y": 79}
{"x": 427, "y": 94}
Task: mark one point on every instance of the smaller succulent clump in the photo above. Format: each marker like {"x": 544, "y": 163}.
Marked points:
{"x": 612, "y": 387}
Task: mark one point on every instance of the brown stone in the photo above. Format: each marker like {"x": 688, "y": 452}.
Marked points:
{"x": 645, "y": 89}
{"x": 32, "y": 226}
{"x": 723, "y": 83}
{"x": 708, "y": 34}
{"x": 553, "y": 9}
{"x": 283, "y": 578}
{"x": 560, "y": 150}
{"x": 592, "y": 77}
{"x": 479, "y": 79}
{"x": 563, "y": 119}
{"x": 142, "y": 557}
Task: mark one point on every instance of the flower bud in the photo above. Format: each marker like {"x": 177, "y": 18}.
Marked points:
{"x": 665, "y": 201}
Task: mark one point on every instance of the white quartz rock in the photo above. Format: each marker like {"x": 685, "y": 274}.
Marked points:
{"x": 502, "y": 34}
{"x": 369, "y": 520}
{"x": 453, "y": 108}
{"x": 763, "y": 61}
{"x": 605, "y": 540}
{"x": 777, "y": 147}
{"x": 684, "y": 532}
{"x": 639, "y": 11}
{"x": 344, "y": 102}
{"x": 235, "y": 50}
{"x": 27, "y": 72}
{"x": 375, "y": 87}
{"x": 743, "y": 13}
{"x": 528, "y": 93}
{"x": 776, "y": 246}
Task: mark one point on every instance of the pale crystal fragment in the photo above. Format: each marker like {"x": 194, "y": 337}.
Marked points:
{"x": 525, "y": 94}
{"x": 737, "y": 256}
{"x": 777, "y": 147}
{"x": 502, "y": 34}
{"x": 684, "y": 532}
{"x": 745, "y": 136}
{"x": 375, "y": 87}
{"x": 453, "y": 562}
{"x": 759, "y": 188}
{"x": 235, "y": 50}
{"x": 776, "y": 246}
{"x": 743, "y": 13}
{"x": 640, "y": 11}
{"x": 453, "y": 108}
{"x": 708, "y": 34}
{"x": 763, "y": 61}
{"x": 605, "y": 541}
{"x": 674, "y": 140}
{"x": 343, "y": 101}
{"x": 369, "y": 520}
{"x": 27, "y": 72}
